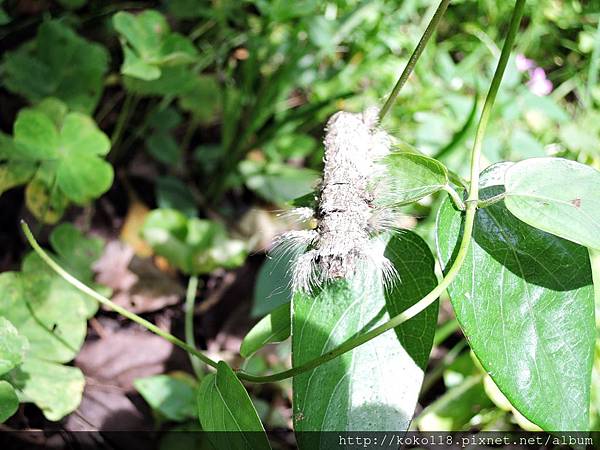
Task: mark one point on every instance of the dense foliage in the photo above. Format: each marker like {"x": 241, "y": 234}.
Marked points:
{"x": 183, "y": 128}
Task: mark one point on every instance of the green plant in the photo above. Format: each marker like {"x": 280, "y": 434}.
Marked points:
{"x": 43, "y": 322}
{"x": 239, "y": 89}
{"x": 58, "y": 154}
{"x": 493, "y": 275}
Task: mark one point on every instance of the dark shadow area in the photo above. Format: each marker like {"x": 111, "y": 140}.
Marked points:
{"x": 414, "y": 265}
{"x": 536, "y": 256}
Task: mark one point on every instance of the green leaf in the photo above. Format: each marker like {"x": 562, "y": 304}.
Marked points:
{"x": 172, "y": 396}
{"x": 195, "y": 246}
{"x": 362, "y": 389}
{"x": 224, "y": 405}
{"x": 35, "y": 135}
{"x": 174, "y": 194}
{"x": 15, "y": 173}
{"x": 273, "y": 285}
{"x": 9, "y": 402}
{"x": 76, "y": 252}
{"x": 54, "y": 388}
{"x": 202, "y": 99}
{"x": 275, "y": 327}
{"x": 70, "y": 148}
{"x": 57, "y": 63}
{"x": 13, "y": 346}
{"x": 278, "y": 183}
{"x": 83, "y": 178}
{"x": 162, "y": 146}
{"x": 36, "y": 304}
{"x": 558, "y": 196}
{"x": 149, "y": 44}
{"x": 524, "y": 300}
{"x": 417, "y": 279}
{"x": 43, "y": 199}
{"x": 175, "y": 80}
{"x": 410, "y": 177}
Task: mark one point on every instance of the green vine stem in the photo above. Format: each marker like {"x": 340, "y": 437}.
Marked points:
{"x": 410, "y": 65}
{"x": 471, "y": 208}
{"x": 109, "y": 303}
{"x": 190, "y": 301}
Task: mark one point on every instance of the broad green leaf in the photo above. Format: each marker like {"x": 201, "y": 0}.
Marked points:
{"x": 410, "y": 177}
{"x": 224, "y": 405}
{"x": 273, "y": 285}
{"x": 76, "y": 252}
{"x": 195, "y": 246}
{"x": 13, "y": 346}
{"x": 83, "y": 178}
{"x": 278, "y": 183}
{"x": 35, "y": 135}
{"x": 54, "y": 324}
{"x": 274, "y": 327}
{"x": 375, "y": 386}
{"x": 69, "y": 147}
{"x": 558, "y": 196}
{"x": 525, "y": 302}
{"x": 172, "y": 396}
{"x": 57, "y": 63}
{"x": 135, "y": 67}
{"x": 9, "y": 402}
{"x": 595, "y": 263}
{"x": 149, "y": 44}
{"x": 417, "y": 279}
{"x": 54, "y": 388}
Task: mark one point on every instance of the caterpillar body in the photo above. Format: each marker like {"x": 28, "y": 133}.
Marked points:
{"x": 347, "y": 216}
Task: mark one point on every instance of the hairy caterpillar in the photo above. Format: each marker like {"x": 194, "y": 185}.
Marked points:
{"x": 347, "y": 215}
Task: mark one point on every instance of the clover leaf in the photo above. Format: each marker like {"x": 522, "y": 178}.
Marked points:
{"x": 149, "y": 44}
{"x": 57, "y": 63}
{"x": 193, "y": 245}
{"x": 60, "y": 154}
{"x": 43, "y": 322}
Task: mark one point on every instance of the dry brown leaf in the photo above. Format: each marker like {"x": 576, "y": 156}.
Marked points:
{"x": 130, "y": 233}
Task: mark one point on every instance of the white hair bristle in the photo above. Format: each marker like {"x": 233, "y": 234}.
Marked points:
{"x": 347, "y": 220}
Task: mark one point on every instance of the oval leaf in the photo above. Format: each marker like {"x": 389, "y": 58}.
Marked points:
{"x": 273, "y": 285}
{"x": 172, "y": 396}
{"x": 375, "y": 386}
{"x": 9, "y": 402}
{"x": 525, "y": 302}
{"x": 224, "y": 405}
{"x": 410, "y": 177}
{"x": 275, "y": 327}
{"x": 558, "y": 196}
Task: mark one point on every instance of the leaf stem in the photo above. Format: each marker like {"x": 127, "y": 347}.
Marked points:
{"x": 471, "y": 209}
{"x": 190, "y": 300}
{"x": 410, "y": 65}
{"x": 105, "y": 301}
{"x": 455, "y": 197}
